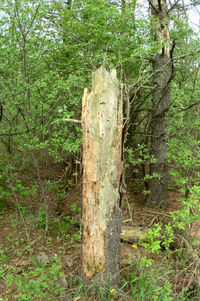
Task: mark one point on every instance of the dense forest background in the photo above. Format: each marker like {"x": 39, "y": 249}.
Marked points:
{"x": 49, "y": 50}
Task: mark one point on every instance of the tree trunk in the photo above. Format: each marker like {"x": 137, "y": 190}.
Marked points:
{"x": 162, "y": 66}
{"x": 102, "y": 124}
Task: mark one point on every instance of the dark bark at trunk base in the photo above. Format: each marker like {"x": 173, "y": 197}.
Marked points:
{"x": 110, "y": 278}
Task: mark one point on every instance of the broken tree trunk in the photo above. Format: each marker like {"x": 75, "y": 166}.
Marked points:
{"x": 102, "y": 123}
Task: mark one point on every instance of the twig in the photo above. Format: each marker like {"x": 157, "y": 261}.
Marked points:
{"x": 130, "y": 211}
{"x": 14, "y": 134}
{"x": 172, "y": 7}
{"x": 43, "y": 192}
{"x": 161, "y": 213}
{"x": 185, "y": 55}
{"x": 32, "y": 242}
{"x": 152, "y": 221}
{"x": 21, "y": 215}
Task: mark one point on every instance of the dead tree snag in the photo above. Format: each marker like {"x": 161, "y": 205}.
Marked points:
{"x": 102, "y": 124}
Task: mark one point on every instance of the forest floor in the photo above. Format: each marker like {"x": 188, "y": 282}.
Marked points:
{"x": 26, "y": 253}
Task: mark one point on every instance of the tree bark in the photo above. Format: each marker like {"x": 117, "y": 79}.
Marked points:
{"x": 102, "y": 123}
{"x": 162, "y": 66}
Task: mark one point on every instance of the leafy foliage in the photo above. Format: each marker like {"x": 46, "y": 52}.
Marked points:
{"x": 40, "y": 283}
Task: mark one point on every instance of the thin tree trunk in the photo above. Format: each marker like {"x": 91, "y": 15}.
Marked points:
{"x": 158, "y": 184}
{"x": 102, "y": 123}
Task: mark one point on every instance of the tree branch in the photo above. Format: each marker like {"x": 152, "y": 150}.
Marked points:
{"x": 185, "y": 55}
{"x": 73, "y": 120}
{"x": 153, "y": 7}
{"x": 189, "y": 107}
{"x": 172, "y": 7}
{"x": 1, "y": 111}
{"x": 14, "y": 134}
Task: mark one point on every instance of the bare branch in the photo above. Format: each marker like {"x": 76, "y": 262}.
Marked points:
{"x": 153, "y": 7}
{"x": 185, "y": 55}
{"x": 73, "y": 120}
{"x": 172, "y": 7}
{"x": 14, "y": 134}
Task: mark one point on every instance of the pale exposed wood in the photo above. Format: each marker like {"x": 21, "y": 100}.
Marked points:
{"x": 102, "y": 169}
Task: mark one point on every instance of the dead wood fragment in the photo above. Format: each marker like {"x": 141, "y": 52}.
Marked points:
{"x": 134, "y": 234}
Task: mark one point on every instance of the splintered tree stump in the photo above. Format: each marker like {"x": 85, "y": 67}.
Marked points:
{"x": 102, "y": 123}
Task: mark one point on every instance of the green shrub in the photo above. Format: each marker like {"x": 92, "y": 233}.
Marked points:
{"x": 40, "y": 282}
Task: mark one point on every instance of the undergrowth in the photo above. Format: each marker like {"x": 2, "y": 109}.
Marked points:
{"x": 23, "y": 278}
